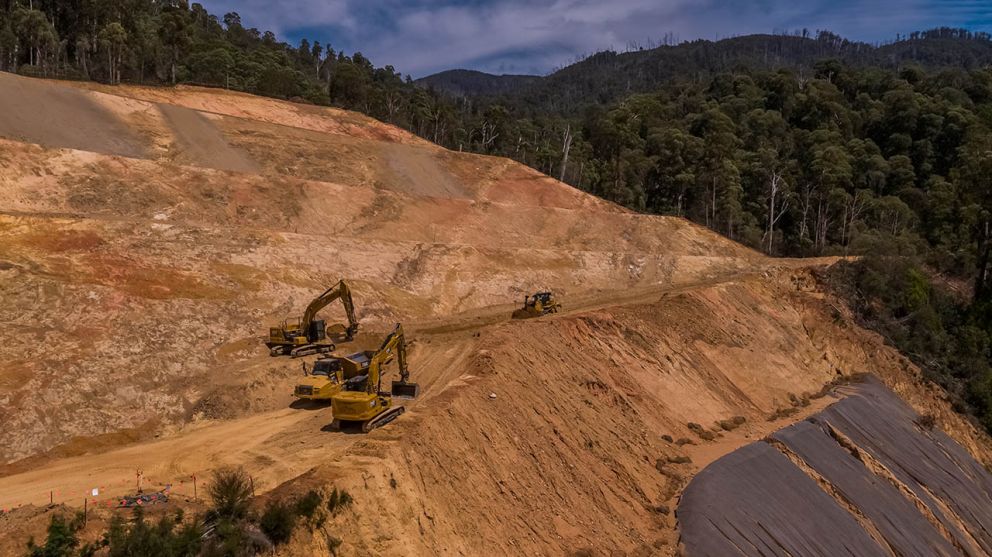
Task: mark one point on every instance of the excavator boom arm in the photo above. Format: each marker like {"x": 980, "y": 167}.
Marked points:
{"x": 394, "y": 344}
{"x": 339, "y": 290}
{"x": 349, "y": 309}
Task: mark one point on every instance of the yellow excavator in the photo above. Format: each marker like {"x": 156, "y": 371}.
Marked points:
{"x": 541, "y": 303}
{"x": 328, "y": 375}
{"x": 362, "y": 401}
{"x": 309, "y": 335}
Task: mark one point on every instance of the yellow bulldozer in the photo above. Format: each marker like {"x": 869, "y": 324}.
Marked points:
{"x": 541, "y": 303}
{"x": 362, "y": 401}
{"x": 309, "y": 335}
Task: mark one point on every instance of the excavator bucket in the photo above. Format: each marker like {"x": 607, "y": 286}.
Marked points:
{"x": 404, "y": 389}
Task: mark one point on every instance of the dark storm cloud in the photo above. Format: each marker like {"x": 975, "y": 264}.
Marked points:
{"x": 534, "y": 36}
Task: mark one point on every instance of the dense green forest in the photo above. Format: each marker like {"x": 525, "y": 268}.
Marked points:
{"x": 802, "y": 144}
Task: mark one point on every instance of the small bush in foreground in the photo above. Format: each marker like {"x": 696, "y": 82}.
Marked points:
{"x": 338, "y": 500}
{"x": 277, "y": 522}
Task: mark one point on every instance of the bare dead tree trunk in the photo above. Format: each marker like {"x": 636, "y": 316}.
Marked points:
{"x": 175, "y": 57}
{"x": 712, "y": 208}
{"x": 982, "y": 274}
{"x": 489, "y": 135}
{"x": 806, "y": 201}
{"x": 773, "y": 217}
{"x": 822, "y": 224}
{"x": 566, "y": 147}
{"x": 392, "y": 106}
{"x": 852, "y": 212}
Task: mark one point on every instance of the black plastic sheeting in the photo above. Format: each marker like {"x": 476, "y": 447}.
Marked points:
{"x": 896, "y": 518}
{"x": 756, "y": 501}
{"x": 928, "y": 462}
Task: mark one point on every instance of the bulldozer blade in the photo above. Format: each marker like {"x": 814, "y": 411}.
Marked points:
{"x": 522, "y": 314}
{"x": 403, "y": 389}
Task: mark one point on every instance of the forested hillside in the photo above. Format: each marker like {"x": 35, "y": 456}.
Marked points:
{"x": 471, "y": 83}
{"x": 791, "y": 144}
{"x": 610, "y": 76}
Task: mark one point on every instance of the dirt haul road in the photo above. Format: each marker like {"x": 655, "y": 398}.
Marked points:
{"x": 274, "y": 446}
{"x": 279, "y": 445}
{"x": 138, "y": 279}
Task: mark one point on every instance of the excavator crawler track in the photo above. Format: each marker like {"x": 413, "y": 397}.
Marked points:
{"x": 311, "y": 349}
{"x": 383, "y": 419}
{"x": 367, "y": 426}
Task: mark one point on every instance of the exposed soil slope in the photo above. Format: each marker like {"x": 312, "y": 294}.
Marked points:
{"x": 57, "y": 116}
{"x": 140, "y": 270}
{"x": 153, "y": 277}
{"x": 202, "y": 143}
{"x": 570, "y": 454}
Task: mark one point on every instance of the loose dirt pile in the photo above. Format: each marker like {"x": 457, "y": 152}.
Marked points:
{"x": 137, "y": 290}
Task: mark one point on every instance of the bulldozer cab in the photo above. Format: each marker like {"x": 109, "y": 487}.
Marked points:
{"x": 543, "y": 297}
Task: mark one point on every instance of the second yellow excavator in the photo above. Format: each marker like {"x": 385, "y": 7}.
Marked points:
{"x": 309, "y": 335}
{"x": 362, "y": 401}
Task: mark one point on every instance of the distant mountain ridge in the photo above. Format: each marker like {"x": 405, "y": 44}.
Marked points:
{"x": 608, "y": 76}
{"x": 471, "y": 83}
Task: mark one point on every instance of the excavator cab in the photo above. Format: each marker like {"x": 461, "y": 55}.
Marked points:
{"x": 356, "y": 384}
{"x": 332, "y": 374}
{"x": 293, "y": 329}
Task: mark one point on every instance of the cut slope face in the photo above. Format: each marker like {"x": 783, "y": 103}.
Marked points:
{"x": 134, "y": 286}
{"x": 861, "y": 478}
{"x": 202, "y": 142}
{"x": 551, "y": 439}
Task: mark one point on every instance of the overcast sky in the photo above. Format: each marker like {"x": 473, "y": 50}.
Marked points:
{"x": 420, "y": 37}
